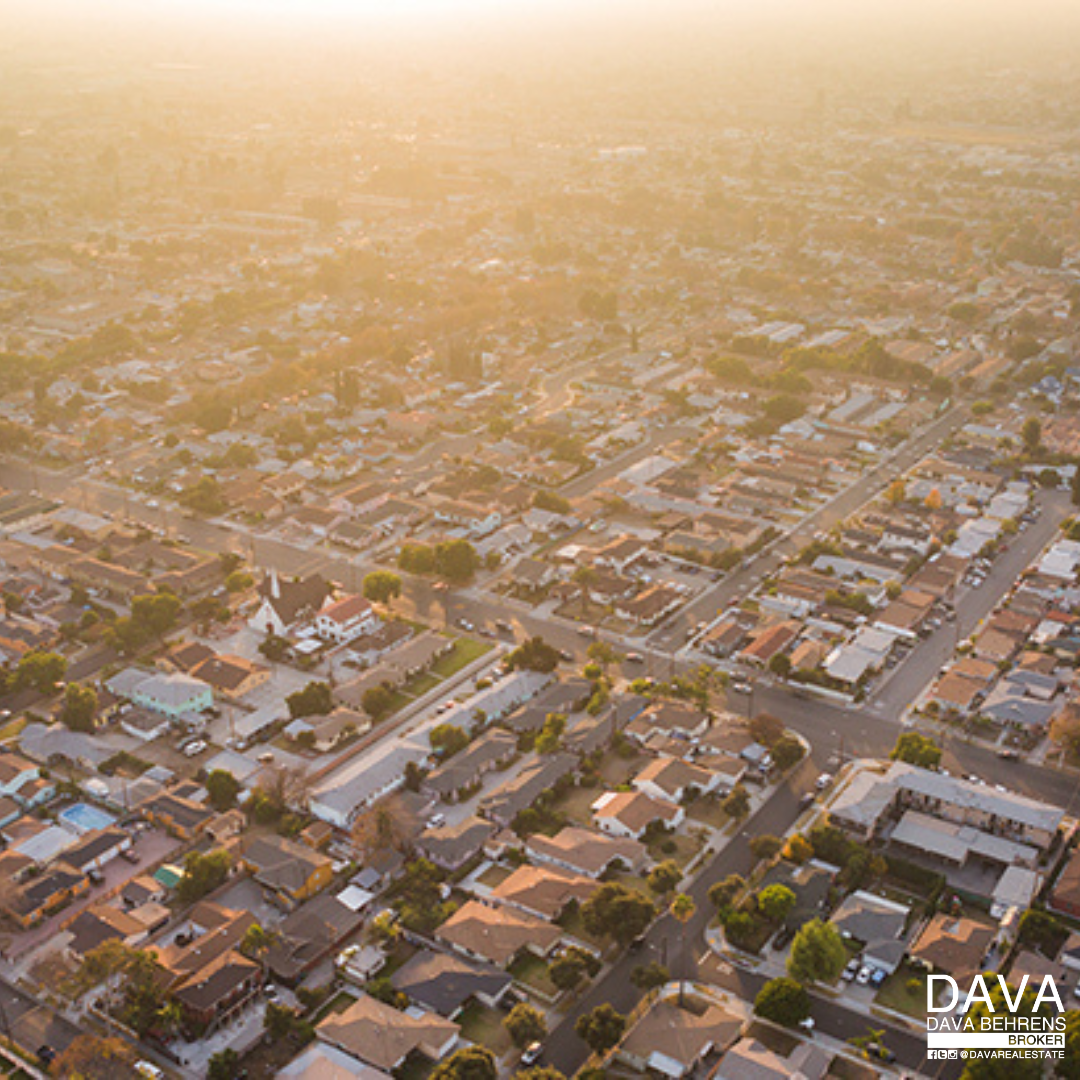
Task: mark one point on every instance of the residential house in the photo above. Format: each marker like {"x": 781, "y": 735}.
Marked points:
{"x": 877, "y": 924}
{"x": 543, "y": 891}
{"x": 749, "y": 1059}
{"x": 452, "y": 846}
{"x": 669, "y": 779}
{"x": 177, "y": 813}
{"x": 630, "y": 813}
{"x": 33, "y": 900}
{"x": 444, "y": 984}
{"x": 518, "y": 793}
{"x": 311, "y": 933}
{"x": 173, "y": 695}
{"x": 386, "y": 1038}
{"x": 954, "y": 945}
{"x": 216, "y": 993}
{"x": 343, "y": 620}
{"x": 291, "y": 872}
{"x": 586, "y": 852}
{"x": 95, "y": 925}
{"x": 493, "y": 750}
{"x": 497, "y": 935}
{"x": 231, "y": 677}
{"x": 671, "y": 1041}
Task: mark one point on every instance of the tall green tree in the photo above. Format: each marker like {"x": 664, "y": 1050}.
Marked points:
{"x": 817, "y": 953}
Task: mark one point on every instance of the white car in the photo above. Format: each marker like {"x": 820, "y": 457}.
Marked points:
{"x": 193, "y": 749}
{"x": 823, "y": 781}
{"x": 864, "y": 975}
{"x": 850, "y": 971}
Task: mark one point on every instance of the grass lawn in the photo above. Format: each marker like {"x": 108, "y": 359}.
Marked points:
{"x": 12, "y": 729}
{"x": 465, "y": 651}
{"x": 576, "y": 802}
{"x": 338, "y": 1003}
{"x": 422, "y": 685}
{"x": 532, "y": 971}
{"x": 482, "y": 1025}
{"x": 707, "y": 810}
{"x": 686, "y": 847}
{"x": 895, "y": 993}
{"x": 633, "y": 881}
{"x": 416, "y": 1067}
{"x": 778, "y": 1042}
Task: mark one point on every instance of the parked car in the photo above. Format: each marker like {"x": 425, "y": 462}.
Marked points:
{"x": 882, "y": 1053}
{"x": 878, "y": 977}
{"x": 531, "y": 1054}
{"x": 823, "y": 781}
{"x": 130, "y": 855}
{"x": 864, "y": 975}
{"x": 852, "y": 969}
{"x": 193, "y": 749}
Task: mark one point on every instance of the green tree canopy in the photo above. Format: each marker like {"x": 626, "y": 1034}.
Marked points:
{"x": 618, "y": 912}
{"x": 817, "y": 953}
{"x": 783, "y": 1001}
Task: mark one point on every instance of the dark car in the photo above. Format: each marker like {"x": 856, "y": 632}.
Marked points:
{"x": 783, "y": 937}
{"x": 637, "y": 944}
{"x": 46, "y": 1054}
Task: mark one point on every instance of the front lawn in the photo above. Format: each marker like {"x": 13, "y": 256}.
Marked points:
{"x": 533, "y": 971}
{"x": 686, "y": 847}
{"x": 464, "y": 652}
{"x": 904, "y": 991}
{"x": 482, "y": 1025}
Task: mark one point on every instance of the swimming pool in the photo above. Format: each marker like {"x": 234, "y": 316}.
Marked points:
{"x": 84, "y": 818}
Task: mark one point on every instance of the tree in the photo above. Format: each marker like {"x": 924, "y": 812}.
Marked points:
{"x": 602, "y": 1028}
{"x": 468, "y": 1063}
{"x": 567, "y": 971}
{"x": 765, "y": 846}
{"x": 766, "y": 729}
{"x": 223, "y": 788}
{"x": 648, "y": 977}
{"x": 448, "y": 739}
{"x": 91, "y": 1057}
{"x": 618, "y": 912}
{"x": 817, "y": 953}
{"x": 786, "y": 752}
{"x": 382, "y": 587}
{"x": 316, "y": 699}
{"x": 224, "y": 1064}
{"x": 1068, "y": 1067}
{"x": 1065, "y": 729}
{"x": 798, "y": 849}
{"x": 525, "y": 1025}
{"x": 202, "y": 875}
{"x": 278, "y": 1020}
{"x": 456, "y": 560}
{"x": 1031, "y": 434}
{"x": 665, "y": 877}
{"x": 383, "y": 827}
{"x": 737, "y": 803}
{"x": 535, "y": 654}
{"x": 40, "y": 670}
{"x": 79, "y": 708}
{"x": 916, "y": 749}
{"x": 780, "y": 665}
{"x": 274, "y": 648}
{"x": 377, "y": 701}
{"x": 775, "y": 902}
{"x": 683, "y": 909}
{"x": 550, "y": 737}
{"x": 723, "y": 893}
{"x": 896, "y": 492}
{"x": 783, "y": 1001}
{"x": 238, "y": 581}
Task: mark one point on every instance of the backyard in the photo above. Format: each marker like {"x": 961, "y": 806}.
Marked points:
{"x": 533, "y": 971}
{"x": 482, "y": 1025}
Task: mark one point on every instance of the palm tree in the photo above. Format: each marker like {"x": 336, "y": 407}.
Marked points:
{"x": 682, "y": 910}
{"x": 584, "y": 576}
